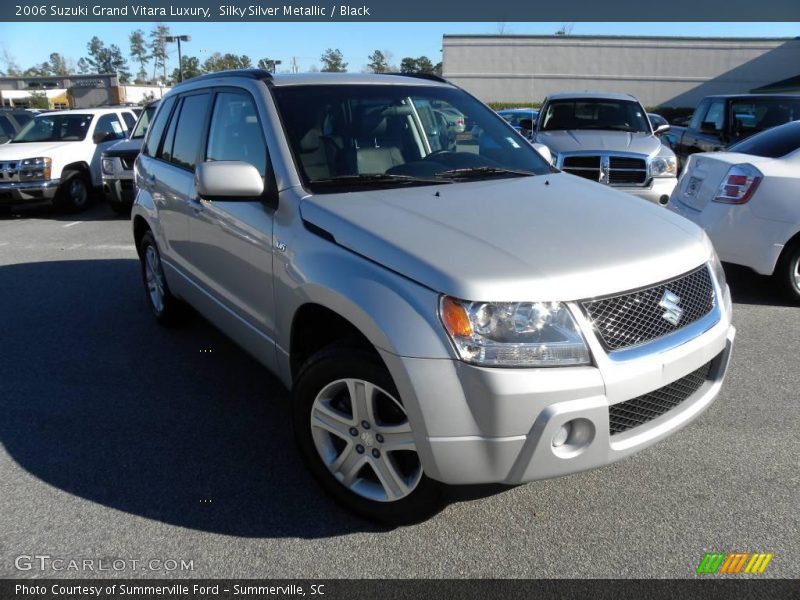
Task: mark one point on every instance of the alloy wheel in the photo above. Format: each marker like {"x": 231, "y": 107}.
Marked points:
{"x": 154, "y": 276}
{"x": 364, "y": 438}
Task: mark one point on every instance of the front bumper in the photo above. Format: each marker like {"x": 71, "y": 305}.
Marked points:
{"x": 658, "y": 191}
{"x": 486, "y": 425}
{"x": 121, "y": 190}
{"x": 33, "y": 193}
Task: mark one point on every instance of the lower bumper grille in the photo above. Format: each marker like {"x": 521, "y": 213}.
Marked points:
{"x": 638, "y": 411}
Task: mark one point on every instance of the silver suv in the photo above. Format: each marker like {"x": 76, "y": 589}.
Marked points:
{"x": 445, "y": 306}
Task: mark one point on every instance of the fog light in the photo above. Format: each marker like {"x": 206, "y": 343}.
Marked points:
{"x": 562, "y": 435}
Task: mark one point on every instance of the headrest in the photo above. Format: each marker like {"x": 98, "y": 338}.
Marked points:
{"x": 310, "y": 141}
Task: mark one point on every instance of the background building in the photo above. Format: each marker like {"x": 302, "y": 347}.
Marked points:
{"x": 666, "y": 71}
{"x": 75, "y": 91}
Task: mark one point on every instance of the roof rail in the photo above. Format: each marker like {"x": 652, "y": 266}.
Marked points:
{"x": 259, "y": 74}
{"x": 428, "y": 76}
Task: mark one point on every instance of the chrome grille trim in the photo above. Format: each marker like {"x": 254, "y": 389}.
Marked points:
{"x": 634, "y": 318}
{"x": 643, "y": 409}
{"x": 610, "y": 168}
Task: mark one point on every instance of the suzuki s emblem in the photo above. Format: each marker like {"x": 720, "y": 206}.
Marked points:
{"x": 672, "y": 311}
{"x": 604, "y": 169}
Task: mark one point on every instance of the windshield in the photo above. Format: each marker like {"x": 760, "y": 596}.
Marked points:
{"x": 589, "y": 113}
{"x": 514, "y": 117}
{"x": 773, "y": 143}
{"x": 55, "y": 128}
{"x": 391, "y": 135}
{"x": 140, "y": 130}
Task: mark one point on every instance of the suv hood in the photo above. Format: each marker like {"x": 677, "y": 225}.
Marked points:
{"x": 13, "y": 151}
{"x": 554, "y": 237}
{"x": 125, "y": 148}
{"x": 573, "y": 140}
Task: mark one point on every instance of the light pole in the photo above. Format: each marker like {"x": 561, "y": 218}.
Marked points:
{"x": 179, "y": 39}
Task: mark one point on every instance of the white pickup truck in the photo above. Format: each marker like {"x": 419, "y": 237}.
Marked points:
{"x": 55, "y": 159}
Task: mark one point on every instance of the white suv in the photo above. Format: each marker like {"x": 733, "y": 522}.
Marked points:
{"x": 55, "y": 158}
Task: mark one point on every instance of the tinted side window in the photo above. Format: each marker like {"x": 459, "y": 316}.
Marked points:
{"x": 129, "y": 119}
{"x": 157, "y": 129}
{"x": 235, "y": 132}
{"x": 189, "y": 130}
{"x": 169, "y": 138}
{"x": 716, "y": 114}
{"x": 110, "y": 124}
{"x": 6, "y": 128}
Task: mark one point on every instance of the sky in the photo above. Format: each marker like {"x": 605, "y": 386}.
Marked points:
{"x": 32, "y": 43}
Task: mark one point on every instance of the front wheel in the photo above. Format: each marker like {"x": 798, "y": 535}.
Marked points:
{"x": 354, "y": 434}
{"x": 74, "y": 193}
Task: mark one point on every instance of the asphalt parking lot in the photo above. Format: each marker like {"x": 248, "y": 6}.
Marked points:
{"x": 122, "y": 440}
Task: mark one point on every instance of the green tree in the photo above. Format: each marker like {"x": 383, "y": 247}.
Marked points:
{"x": 58, "y": 65}
{"x": 107, "y": 60}
{"x": 268, "y": 64}
{"x": 138, "y": 52}
{"x": 223, "y": 62}
{"x": 424, "y": 65}
{"x": 191, "y": 68}
{"x": 158, "y": 50}
{"x": 38, "y": 100}
{"x": 333, "y": 61}
{"x": 83, "y": 66}
{"x": 408, "y": 65}
{"x": 378, "y": 62}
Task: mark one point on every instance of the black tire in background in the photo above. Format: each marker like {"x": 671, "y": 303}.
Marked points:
{"x": 74, "y": 195}
{"x": 787, "y": 272}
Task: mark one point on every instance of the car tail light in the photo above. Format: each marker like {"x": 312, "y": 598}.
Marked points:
{"x": 739, "y": 184}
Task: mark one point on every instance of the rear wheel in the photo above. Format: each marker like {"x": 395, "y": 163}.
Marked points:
{"x": 164, "y": 306}
{"x": 354, "y": 434}
{"x": 788, "y": 271}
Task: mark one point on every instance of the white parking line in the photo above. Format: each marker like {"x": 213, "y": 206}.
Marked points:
{"x": 71, "y": 224}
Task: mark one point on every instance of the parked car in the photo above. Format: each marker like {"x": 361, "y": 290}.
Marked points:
{"x": 746, "y": 199}
{"x": 719, "y": 121}
{"x": 55, "y": 158}
{"x": 12, "y": 121}
{"x": 608, "y": 138}
{"x": 117, "y": 164}
{"x": 455, "y": 120}
{"x": 515, "y": 116}
{"x": 441, "y": 317}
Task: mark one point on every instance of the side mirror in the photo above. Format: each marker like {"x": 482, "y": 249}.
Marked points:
{"x": 545, "y": 152}
{"x": 662, "y": 128}
{"x": 231, "y": 179}
{"x": 527, "y": 124}
{"x": 103, "y": 136}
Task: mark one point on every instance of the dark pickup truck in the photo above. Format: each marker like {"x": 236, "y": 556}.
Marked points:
{"x": 719, "y": 121}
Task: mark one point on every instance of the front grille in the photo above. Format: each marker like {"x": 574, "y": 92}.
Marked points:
{"x": 638, "y": 317}
{"x": 127, "y": 162}
{"x": 622, "y": 170}
{"x": 632, "y": 413}
{"x": 583, "y": 166}
{"x": 9, "y": 171}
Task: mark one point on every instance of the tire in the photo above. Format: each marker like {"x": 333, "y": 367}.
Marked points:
{"x": 375, "y": 482}
{"x": 75, "y": 194}
{"x": 166, "y": 308}
{"x": 787, "y": 273}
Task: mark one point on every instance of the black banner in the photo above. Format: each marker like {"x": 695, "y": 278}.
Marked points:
{"x": 445, "y": 589}
{"x": 392, "y": 10}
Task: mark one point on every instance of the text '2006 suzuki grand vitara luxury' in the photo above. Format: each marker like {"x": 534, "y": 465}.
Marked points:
{"x": 445, "y": 306}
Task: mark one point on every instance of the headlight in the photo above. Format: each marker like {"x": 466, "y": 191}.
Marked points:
{"x": 719, "y": 272}
{"x": 35, "y": 169}
{"x": 513, "y": 334}
{"x": 664, "y": 166}
{"x": 108, "y": 166}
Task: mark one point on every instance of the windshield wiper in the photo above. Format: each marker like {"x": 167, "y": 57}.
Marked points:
{"x": 377, "y": 178}
{"x": 479, "y": 172}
